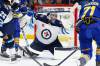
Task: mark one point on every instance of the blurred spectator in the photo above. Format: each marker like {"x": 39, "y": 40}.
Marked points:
{"x": 74, "y": 1}
{"x": 35, "y": 1}
{"x": 62, "y": 1}
{"x": 53, "y": 1}
{"x": 42, "y": 1}
{"x": 65, "y": 1}
{"x": 47, "y": 1}
{"x": 57, "y": 1}
{"x": 39, "y": 1}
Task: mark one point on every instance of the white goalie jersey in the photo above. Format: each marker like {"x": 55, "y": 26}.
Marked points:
{"x": 46, "y": 33}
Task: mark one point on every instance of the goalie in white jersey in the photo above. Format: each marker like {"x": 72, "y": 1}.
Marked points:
{"x": 47, "y": 30}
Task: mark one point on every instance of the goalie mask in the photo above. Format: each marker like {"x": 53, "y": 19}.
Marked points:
{"x": 52, "y": 16}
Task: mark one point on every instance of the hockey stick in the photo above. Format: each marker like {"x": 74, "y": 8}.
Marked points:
{"x": 30, "y": 56}
{"x": 28, "y": 45}
{"x": 25, "y": 37}
{"x": 45, "y": 64}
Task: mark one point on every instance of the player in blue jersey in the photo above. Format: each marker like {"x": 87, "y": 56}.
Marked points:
{"x": 88, "y": 27}
{"x": 9, "y": 26}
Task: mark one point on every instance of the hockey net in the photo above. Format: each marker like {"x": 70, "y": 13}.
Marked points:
{"x": 68, "y": 14}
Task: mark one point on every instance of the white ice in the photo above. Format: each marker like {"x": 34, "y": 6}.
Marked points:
{"x": 47, "y": 57}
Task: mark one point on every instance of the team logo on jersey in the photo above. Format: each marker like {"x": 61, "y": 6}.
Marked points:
{"x": 46, "y": 34}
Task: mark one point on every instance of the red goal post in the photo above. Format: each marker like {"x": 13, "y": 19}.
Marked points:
{"x": 61, "y": 8}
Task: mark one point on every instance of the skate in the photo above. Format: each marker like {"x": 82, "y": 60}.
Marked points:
{"x": 17, "y": 56}
{"x": 82, "y": 61}
{"x": 14, "y": 55}
{"x": 5, "y": 55}
{"x": 97, "y": 63}
{"x": 13, "y": 58}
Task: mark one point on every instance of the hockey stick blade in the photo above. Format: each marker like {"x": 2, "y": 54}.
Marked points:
{"x": 31, "y": 56}
{"x": 45, "y": 64}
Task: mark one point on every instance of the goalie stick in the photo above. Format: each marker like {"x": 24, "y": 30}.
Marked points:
{"x": 45, "y": 64}
{"x": 30, "y": 56}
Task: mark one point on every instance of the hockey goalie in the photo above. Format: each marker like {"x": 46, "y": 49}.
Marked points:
{"x": 47, "y": 30}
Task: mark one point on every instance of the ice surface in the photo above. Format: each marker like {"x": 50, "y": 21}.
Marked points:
{"x": 47, "y": 57}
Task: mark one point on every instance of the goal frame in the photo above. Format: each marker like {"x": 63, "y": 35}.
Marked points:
{"x": 63, "y": 5}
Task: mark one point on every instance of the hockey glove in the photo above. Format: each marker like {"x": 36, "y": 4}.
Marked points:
{"x": 15, "y": 6}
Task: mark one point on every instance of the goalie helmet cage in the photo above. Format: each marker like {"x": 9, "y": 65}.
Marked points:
{"x": 47, "y": 7}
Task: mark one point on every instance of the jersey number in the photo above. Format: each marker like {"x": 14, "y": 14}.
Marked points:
{"x": 86, "y": 9}
{"x": 92, "y": 8}
{"x": 3, "y": 16}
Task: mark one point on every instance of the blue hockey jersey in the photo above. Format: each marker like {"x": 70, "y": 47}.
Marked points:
{"x": 12, "y": 26}
{"x": 4, "y": 11}
{"x": 91, "y": 9}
